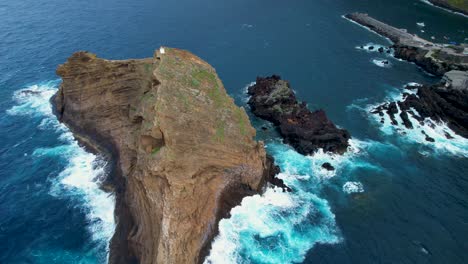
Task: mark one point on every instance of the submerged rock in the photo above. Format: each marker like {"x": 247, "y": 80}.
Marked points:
{"x": 273, "y": 99}
{"x": 183, "y": 153}
{"x": 328, "y": 166}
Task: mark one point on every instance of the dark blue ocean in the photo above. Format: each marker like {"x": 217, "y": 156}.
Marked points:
{"x": 392, "y": 199}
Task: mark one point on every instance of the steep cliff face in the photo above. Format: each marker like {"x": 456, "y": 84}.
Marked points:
{"x": 184, "y": 153}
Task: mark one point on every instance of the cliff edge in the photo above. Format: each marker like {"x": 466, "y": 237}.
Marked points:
{"x": 183, "y": 153}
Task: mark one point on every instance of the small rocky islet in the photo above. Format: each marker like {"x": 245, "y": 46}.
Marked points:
{"x": 272, "y": 99}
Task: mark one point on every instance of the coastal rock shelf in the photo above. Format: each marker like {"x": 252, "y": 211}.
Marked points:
{"x": 273, "y": 99}
{"x": 434, "y": 58}
{"x": 446, "y": 102}
{"x": 183, "y": 153}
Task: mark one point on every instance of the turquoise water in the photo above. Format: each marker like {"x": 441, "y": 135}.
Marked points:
{"x": 392, "y": 199}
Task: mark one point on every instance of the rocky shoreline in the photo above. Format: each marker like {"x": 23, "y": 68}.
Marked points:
{"x": 445, "y": 102}
{"x": 430, "y": 105}
{"x": 272, "y": 99}
{"x": 182, "y": 153}
{"x": 434, "y": 58}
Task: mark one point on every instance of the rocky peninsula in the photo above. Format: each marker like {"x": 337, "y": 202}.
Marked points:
{"x": 272, "y": 99}
{"x": 182, "y": 152}
{"x": 434, "y": 58}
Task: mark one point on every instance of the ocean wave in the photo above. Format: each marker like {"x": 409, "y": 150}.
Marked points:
{"x": 353, "y": 187}
{"x": 382, "y": 63}
{"x": 452, "y": 144}
{"x": 83, "y": 173}
{"x": 245, "y": 97}
{"x": 281, "y": 227}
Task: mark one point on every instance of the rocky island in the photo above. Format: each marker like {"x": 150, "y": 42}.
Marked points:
{"x": 182, "y": 152}
{"x": 434, "y": 58}
{"x": 272, "y": 99}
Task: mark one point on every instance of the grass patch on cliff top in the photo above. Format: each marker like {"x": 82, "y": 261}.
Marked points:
{"x": 219, "y": 136}
{"x": 155, "y": 150}
{"x": 240, "y": 120}
{"x": 462, "y": 4}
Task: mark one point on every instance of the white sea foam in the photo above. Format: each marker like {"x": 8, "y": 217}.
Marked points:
{"x": 245, "y": 95}
{"x": 382, "y": 63}
{"x": 367, "y": 28}
{"x": 456, "y": 145}
{"x": 83, "y": 173}
{"x": 353, "y": 187}
{"x": 374, "y": 48}
{"x": 280, "y": 227}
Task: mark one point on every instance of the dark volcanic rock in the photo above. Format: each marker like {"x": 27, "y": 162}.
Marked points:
{"x": 273, "y": 99}
{"x": 439, "y": 102}
{"x": 328, "y": 166}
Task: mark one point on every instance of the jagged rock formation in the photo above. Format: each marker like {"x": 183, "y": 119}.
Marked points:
{"x": 459, "y": 6}
{"x": 434, "y": 58}
{"x": 183, "y": 153}
{"x": 273, "y": 99}
{"x": 446, "y": 101}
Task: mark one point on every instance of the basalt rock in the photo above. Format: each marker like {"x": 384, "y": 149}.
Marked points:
{"x": 183, "y": 153}
{"x": 446, "y": 101}
{"x": 273, "y": 99}
{"x": 328, "y": 166}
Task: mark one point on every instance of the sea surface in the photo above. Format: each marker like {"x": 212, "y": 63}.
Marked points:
{"x": 393, "y": 198}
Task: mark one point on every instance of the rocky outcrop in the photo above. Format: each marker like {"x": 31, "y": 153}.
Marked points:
{"x": 183, "y": 153}
{"x": 434, "y": 58}
{"x": 460, "y": 6}
{"x": 446, "y": 101}
{"x": 273, "y": 99}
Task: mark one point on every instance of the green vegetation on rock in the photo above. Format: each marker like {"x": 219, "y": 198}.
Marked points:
{"x": 461, "y": 4}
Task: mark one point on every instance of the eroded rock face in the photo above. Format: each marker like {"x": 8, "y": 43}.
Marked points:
{"x": 183, "y": 152}
{"x": 273, "y": 99}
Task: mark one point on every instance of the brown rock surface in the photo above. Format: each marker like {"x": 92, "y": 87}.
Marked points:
{"x": 183, "y": 152}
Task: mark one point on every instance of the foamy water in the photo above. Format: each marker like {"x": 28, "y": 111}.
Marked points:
{"x": 281, "y": 227}
{"x": 83, "y": 173}
{"x": 457, "y": 145}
